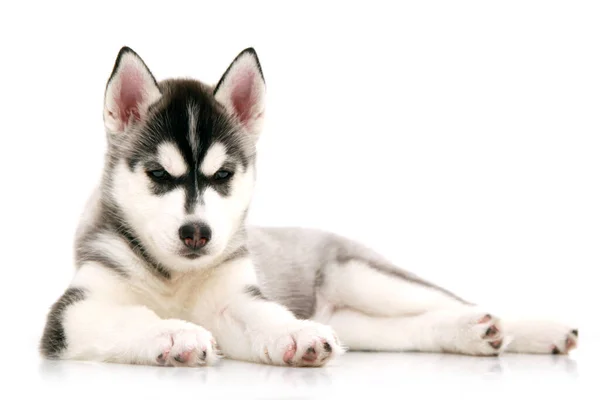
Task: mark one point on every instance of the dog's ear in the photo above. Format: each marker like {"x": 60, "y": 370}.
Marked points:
{"x": 241, "y": 90}
{"x": 130, "y": 91}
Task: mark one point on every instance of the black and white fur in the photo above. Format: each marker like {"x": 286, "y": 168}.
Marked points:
{"x": 168, "y": 273}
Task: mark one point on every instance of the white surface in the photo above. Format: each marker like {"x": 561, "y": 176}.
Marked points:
{"x": 366, "y": 375}
{"x": 461, "y": 139}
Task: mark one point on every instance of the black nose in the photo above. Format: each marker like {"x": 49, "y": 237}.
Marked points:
{"x": 195, "y": 235}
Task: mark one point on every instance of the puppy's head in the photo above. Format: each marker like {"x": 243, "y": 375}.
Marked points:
{"x": 181, "y": 156}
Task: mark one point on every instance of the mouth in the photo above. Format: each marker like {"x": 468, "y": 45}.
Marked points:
{"x": 191, "y": 255}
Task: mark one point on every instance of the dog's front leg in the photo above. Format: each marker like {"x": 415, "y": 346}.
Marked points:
{"x": 259, "y": 330}
{"x": 250, "y": 327}
{"x": 99, "y": 319}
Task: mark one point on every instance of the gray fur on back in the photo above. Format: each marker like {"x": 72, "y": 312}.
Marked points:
{"x": 292, "y": 264}
{"x": 289, "y": 264}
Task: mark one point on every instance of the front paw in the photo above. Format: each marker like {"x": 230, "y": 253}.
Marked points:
{"x": 182, "y": 344}
{"x": 302, "y": 344}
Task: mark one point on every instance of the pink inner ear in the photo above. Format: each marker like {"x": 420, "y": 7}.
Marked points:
{"x": 131, "y": 94}
{"x": 242, "y": 95}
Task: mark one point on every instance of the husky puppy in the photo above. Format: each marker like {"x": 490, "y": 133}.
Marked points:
{"x": 168, "y": 273}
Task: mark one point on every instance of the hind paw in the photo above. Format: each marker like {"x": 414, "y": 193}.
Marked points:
{"x": 568, "y": 344}
{"x": 492, "y": 335}
{"x": 473, "y": 333}
{"x": 564, "y": 343}
{"x": 542, "y": 337}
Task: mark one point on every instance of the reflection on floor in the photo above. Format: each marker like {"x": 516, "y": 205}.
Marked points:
{"x": 378, "y": 375}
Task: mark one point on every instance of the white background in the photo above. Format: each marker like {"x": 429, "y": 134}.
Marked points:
{"x": 460, "y": 139}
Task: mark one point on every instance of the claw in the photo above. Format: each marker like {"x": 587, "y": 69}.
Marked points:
{"x": 575, "y": 332}
{"x": 486, "y": 318}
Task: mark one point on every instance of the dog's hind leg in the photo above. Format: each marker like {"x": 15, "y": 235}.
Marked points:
{"x": 378, "y": 288}
{"x": 463, "y": 331}
{"x": 466, "y": 330}
{"x": 372, "y": 305}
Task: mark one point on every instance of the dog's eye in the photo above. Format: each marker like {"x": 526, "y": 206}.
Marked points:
{"x": 222, "y": 175}
{"x": 158, "y": 174}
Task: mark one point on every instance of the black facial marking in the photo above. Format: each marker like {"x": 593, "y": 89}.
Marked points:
{"x": 54, "y": 339}
{"x": 255, "y": 292}
{"x": 169, "y": 123}
{"x": 193, "y": 193}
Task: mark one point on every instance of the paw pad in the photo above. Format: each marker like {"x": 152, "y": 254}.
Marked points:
{"x": 185, "y": 345}
{"x": 570, "y": 343}
{"x": 492, "y": 331}
{"x": 290, "y": 353}
{"x": 184, "y": 357}
{"x": 162, "y": 358}
{"x": 310, "y": 355}
{"x": 307, "y": 345}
